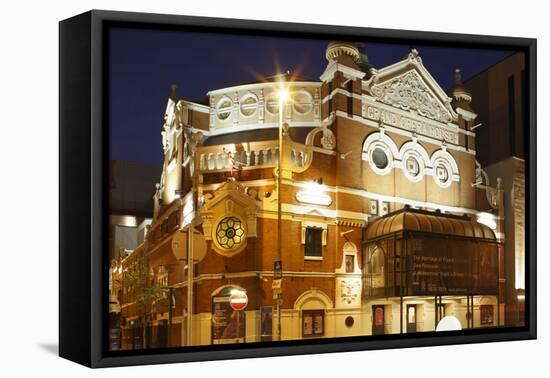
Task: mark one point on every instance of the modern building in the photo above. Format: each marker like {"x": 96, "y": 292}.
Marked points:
{"x": 500, "y": 99}
{"x": 131, "y": 186}
{"x": 352, "y": 205}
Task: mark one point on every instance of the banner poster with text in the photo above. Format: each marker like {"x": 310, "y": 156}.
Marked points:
{"x": 444, "y": 267}
{"x": 266, "y": 323}
{"x": 228, "y": 325}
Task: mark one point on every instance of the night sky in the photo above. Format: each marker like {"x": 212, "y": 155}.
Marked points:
{"x": 145, "y": 63}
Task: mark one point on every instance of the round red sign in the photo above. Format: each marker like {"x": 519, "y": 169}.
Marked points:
{"x": 238, "y": 301}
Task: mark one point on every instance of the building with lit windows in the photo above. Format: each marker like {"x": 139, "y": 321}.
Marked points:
{"x": 387, "y": 224}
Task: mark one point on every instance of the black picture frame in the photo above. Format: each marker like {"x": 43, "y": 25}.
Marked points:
{"x": 83, "y": 209}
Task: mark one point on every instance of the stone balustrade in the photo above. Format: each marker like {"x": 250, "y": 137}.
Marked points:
{"x": 252, "y": 155}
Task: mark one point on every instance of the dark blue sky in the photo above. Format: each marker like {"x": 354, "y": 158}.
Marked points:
{"x": 144, "y": 64}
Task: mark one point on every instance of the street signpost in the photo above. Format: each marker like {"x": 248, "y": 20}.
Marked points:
{"x": 238, "y": 302}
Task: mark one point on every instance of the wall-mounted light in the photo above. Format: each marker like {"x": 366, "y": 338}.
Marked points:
{"x": 314, "y": 193}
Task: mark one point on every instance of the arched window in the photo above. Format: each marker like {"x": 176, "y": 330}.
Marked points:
{"x": 228, "y": 325}
{"x": 379, "y": 151}
{"x": 376, "y": 269}
{"x": 302, "y": 102}
{"x": 224, "y": 108}
{"x": 414, "y": 160}
{"x": 444, "y": 168}
{"x": 248, "y": 104}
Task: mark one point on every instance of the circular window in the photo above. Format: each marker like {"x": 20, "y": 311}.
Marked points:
{"x": 412, "y": 166}
{"x": 230, "y": 233}
{"x": 302, "y": 102}
{"x": 224, "y": 108}
{"x": 379, "y": 158}
{"x": 272, "y": 104}
{"x": 249, "y": 104}
{"x": 442, "y": 173}
{"x": 379, "y": 151}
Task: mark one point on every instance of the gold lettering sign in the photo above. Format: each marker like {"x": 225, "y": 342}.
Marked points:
{"x": 396, "y": 120}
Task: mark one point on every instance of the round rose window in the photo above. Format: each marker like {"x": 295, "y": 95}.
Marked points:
{"x": 230, "y": 233}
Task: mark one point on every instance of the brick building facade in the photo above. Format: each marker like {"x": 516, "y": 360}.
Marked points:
{"x": 360, "y": 146}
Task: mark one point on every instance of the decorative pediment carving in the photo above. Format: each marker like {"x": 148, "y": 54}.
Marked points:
{"x": 409, "y": 92}
{"x": 229, "y": 217}
{"x": 350, "y": 290}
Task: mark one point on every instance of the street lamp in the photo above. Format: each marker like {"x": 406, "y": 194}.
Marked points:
{"x": 278, "y": 266}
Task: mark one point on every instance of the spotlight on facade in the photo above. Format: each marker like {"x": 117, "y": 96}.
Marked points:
{"x": 314, "y": 193}
{"x": 283, "y": 95}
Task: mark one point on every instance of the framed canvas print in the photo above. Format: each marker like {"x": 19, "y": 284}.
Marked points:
{"x": 235, "y": 188}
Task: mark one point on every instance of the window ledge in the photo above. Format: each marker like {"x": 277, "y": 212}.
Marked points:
{"x": 314, "y": 258}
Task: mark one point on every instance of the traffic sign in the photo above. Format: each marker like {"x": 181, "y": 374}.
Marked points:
{"x": 238, "y": 300}
{"x": 179, "y": 245}
{"x": 276, "y": 284}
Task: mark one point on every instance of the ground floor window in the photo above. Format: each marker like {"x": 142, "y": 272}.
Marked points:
{"x": 486, "y": 314}
{"x": 313, "y": 323}
{"x": 162, "y": 334}
{"x": 411, "y": 318}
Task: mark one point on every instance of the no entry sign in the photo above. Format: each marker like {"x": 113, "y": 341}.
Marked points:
{"x": 238, "y": 300}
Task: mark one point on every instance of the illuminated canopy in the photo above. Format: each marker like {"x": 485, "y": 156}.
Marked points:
{"x": 424, "y": 222}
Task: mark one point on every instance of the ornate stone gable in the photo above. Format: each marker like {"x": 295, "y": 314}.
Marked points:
{"x": 229, "y": 217}
{"x": 409, "y": 92}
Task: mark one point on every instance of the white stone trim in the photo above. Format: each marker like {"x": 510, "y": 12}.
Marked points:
{"x": 314, "y": 294}
{"x": 334, "y": 66}
{"x": 313, "y": 258}
{"x": 255, "y": 126}
{"x": 322, "y": 225}
{"x": 341, "y": 91}
{"x": 371, "y": 101}
{"x": 245, "y": 97}
{"x": 195, "y": 107}
{"x": 260, "y": 274}
{"x": 311, "y": 101}
{"x": 446, "y": 159}
{"x": 351, "y": 191}
{"x": 414, "y": 62}
{"x": 466, "y": 114}
{"x": 264, "y": 85}
{"x": 229, "y": 109}
{"x": 402, "y": 132}
{"x": 416, "y": 151}
{"x": 379, "y": 140}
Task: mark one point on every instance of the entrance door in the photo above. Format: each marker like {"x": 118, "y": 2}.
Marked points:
{"x": 148, "y": 335}
{"x": 162, "y": 334}
{"x": 377, "y": 319}
{"x": 411, "y": 318}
